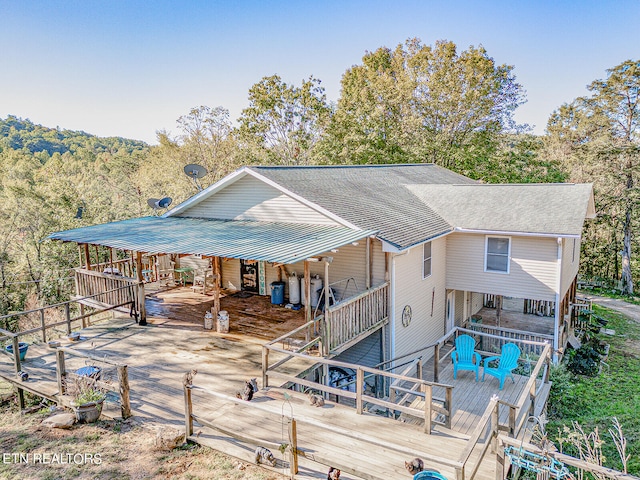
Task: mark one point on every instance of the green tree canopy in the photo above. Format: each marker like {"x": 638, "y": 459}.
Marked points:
{"x": 597, "y": 137}
{"x": 421, "y": 103}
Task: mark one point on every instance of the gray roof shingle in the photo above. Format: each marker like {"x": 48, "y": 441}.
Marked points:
{"x": 383, "y": 203}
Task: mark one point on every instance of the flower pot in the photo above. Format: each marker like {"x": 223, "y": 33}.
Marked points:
{"x": 22, "y": 349}
{"x": 88, "y": 412}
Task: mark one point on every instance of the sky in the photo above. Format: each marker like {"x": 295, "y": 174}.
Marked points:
{"x": 131, "y": 68}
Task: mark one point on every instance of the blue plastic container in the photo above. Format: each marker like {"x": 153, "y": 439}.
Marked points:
{"x": 429, "y": 475}
{"x": 90, "y": 371}
{"x": 277, "y": 293}
{"x": 22, "y": 348}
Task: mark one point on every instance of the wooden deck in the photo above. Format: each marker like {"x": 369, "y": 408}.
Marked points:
{"x": 175, "y": 342}
{"x": 517, "y": 320}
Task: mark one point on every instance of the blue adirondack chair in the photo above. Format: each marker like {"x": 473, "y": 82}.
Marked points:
{"x": 507, "y": 361}
{"x": 463, "y": 356}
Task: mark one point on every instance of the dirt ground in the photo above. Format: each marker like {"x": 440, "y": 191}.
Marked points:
{"x": 108, "y": 449}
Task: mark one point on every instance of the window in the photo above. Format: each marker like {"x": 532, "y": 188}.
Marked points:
{"x": 498, "y": 252}
{"x": 426, "y": 260}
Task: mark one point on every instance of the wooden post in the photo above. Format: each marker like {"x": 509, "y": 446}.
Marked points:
{"x": 87, "y": 257}
{"x": 499, "y": 462}
{"x": 428, "y": 398}
{"x": 44, "y": 329}
{"x": 265, "y": 366}
{"x": 419, "y": 369}
{"x": 367, "y": 265}
{"x": 80, "y": 262}
{"x": 61, "y": 373}
{"x": 436, "y": 362}
{"x": 293, "y": 446}
{"x": 512, "y": 421}
{"x": 16, "y": 353}
{"x": 498, "y": 309}
{"x": 359, "y": 388}
{"x": 123, "y": 383}
{"x": 188, "y": 411}
{"x": 142, "y": 310}
{"x": 67, "y": 316}
{"x": 84, "y": 320}
{"x": 307, "y": 291}
{"x": 216, "y": 290}
{"x": 495, "y": 427}
{"x": 448, "y": 405}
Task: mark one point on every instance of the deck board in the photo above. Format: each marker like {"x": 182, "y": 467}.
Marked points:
{"x": 159, "y": 354}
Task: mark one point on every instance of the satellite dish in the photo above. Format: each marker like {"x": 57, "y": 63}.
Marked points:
{"x": 164, "y": 202}
{"x": 194, "y": 172}
{"x": 158, "y": 203}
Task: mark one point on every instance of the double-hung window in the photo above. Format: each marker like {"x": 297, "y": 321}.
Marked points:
{"x": 426, "y": 260}
{"x": 497, "y": 254}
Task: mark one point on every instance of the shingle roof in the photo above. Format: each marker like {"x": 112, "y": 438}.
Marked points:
{"x": 372, "y": 197}
{"x": 272, "y": 242}
{"x": 557, "y": 209}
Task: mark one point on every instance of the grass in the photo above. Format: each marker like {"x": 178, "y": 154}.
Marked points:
{"x": 126, "y": 449}
{"x": 615, "y": 392}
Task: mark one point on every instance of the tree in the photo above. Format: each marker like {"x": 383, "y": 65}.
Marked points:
{"x": 598, "y": 138}
{"x": 284, "y": 122}
{"x": 421, "y": 103}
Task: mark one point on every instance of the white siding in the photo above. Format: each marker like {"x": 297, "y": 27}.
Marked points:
{"x": 532, "y": 272}
{"x": 251, "y": 199}
{"x": 231, "y": 274}
{"x": 459, "y": 308}
{"x": 348, "y": 261}
{"x": 570, "y": 262}
{"x": 476, "y": 300}
{"x": 194, "y": 262}
{"x": 428, "y": 320}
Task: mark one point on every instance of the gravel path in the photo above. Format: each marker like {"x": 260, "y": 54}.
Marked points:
{"x": 628, "y": 309}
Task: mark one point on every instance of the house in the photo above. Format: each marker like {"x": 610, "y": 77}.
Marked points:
{"x": 410, "y": 251}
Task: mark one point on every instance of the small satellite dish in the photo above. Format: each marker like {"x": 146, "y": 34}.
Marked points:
{"x": 194, "y": 172}
{"x": 158, "y": 203}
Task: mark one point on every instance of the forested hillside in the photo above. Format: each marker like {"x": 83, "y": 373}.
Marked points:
{"x": 414, "y": 103}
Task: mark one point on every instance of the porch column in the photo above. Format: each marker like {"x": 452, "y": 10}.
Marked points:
{"x": 142, "y": 309}
{"x": 367, "y": 266}
{"x": 87, "y": 257}
{"x": 307, "y": 291}
{"x": 556, "y": 322}
{"x": 498, "y": 309}
{"x": 215, "y": 309}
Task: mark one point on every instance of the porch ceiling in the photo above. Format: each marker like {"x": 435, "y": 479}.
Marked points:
{"x": 271, "y": 242}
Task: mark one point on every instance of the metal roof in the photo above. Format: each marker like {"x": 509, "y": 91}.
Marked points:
{"x": 266, "y": 241}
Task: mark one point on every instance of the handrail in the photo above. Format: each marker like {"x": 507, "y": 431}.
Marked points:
{"x": 346, "y": 432}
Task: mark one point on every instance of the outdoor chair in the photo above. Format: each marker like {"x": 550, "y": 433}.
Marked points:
{"x": 507, "y": 361}
{"x": 464, "y": 357}
{"x": 165, "y": 268}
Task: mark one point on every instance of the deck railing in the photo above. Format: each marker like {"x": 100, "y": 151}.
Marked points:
{"x": 295, "y": 425}
{"x": 493, "y": 344}
{"x": 346, "y": 321}
{"x": 99, "y": 289}
{"x": 42, "y": 321}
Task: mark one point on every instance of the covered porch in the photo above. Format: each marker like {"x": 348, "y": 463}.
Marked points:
{"x": 341, "y": 271}
{"x": 517, "y": 317}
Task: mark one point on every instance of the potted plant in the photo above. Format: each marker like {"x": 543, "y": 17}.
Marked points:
{"x": 88, "y": 399}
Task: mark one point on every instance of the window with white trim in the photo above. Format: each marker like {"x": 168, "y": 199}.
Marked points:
{"x": 497, "y": 254}
{"x": 426, "y": 260}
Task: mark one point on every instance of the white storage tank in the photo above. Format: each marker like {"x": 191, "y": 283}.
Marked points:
{"x": 316, "y": 287}
{"x": 294, "y": 289}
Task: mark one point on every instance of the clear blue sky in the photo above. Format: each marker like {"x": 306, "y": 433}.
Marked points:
{"x": 130, "y": 68}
